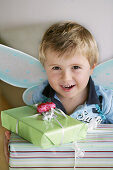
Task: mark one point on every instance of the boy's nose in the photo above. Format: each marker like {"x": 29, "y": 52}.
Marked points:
{"x": 66, "y": 75}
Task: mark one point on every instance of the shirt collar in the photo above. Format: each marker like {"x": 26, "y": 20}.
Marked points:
{"x": 92, "y": 96}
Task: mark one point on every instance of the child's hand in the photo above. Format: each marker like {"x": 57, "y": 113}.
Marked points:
{"x": 6, "y": 141}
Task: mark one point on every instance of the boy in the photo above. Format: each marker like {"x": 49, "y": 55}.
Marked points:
{"x": 69, "y": 55}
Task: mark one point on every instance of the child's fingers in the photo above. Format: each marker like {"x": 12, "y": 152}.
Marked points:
{"x": 7, "y": 134}
{"x": 6, "y": 142}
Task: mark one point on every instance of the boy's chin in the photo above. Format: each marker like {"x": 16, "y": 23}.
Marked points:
{"x": 65, "y": 96}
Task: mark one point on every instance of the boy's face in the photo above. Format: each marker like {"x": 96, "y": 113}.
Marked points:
{"x": 68, "y": 76}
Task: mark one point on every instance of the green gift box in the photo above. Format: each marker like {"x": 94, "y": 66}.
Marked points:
{"x": 42, "y": 133}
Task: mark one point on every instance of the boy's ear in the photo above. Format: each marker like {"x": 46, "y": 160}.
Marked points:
{"x": 92, "y": 68}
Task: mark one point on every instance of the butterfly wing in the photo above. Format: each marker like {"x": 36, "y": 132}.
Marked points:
{"x": 103, "y": 74}
{"x": 34, "y": 94}
{"x": 28, "y": 95}
{"x": 20, "y": 69}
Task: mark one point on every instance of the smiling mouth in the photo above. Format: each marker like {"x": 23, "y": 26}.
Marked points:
{"x": 67, "y": 87}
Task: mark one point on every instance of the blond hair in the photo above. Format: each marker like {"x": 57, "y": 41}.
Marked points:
{"x": 66, "y": 37}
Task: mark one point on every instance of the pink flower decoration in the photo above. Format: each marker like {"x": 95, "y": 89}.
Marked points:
{"x": 44, "y": 107}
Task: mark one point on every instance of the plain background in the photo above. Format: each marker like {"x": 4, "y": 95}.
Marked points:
{"x": 96, "y": 15}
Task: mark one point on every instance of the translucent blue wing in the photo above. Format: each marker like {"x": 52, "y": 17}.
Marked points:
{"x": 27, "y": 95}
{"x": 20, "y": 69}
{"x": 34, "y": 95}
{"x": 103, "y": 74}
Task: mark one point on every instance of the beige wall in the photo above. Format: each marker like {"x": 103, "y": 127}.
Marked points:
{"x": 23, "y": 22}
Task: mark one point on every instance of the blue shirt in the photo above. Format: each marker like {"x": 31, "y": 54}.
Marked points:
{"x": 99, "y": 105}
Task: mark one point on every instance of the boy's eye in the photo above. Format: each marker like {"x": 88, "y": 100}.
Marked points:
{"x": 76, "y": 67}
{"x": 56, "y": 68}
